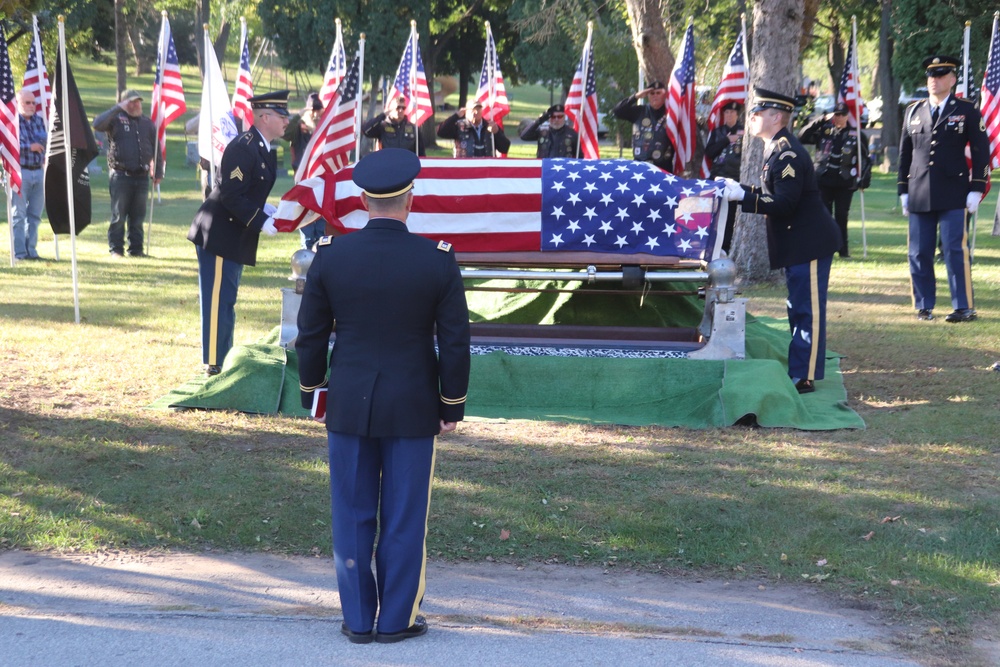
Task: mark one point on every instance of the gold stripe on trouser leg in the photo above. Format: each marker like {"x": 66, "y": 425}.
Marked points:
{"x": 913, "y": 291}
{"x": 213, "y": 318}
{"x": 966, "y": 259}
{"x": 423, "y": 563}
{"x": 814, "y": 328}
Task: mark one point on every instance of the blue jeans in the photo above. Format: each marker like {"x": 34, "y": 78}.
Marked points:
{"x": 128, "y": 206}
{"x": 27, "y": 213}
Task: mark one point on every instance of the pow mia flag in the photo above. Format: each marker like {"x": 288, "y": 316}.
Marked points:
{"x": 84, "y": 149}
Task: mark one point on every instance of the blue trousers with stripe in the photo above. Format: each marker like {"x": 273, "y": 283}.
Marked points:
{"x": 807, "y": 288}
{"x": 218, "y": 286}
{"x": 955, "y": 247}
{"x": 382, "y": 483}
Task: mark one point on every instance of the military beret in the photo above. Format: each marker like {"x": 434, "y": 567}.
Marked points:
{"x": 556, "y": 108}
{"x": 768, "y": 99}
{"x": 386, "y": 173}
{"x": 940, "y": 65}
{"x": 276, "y": 102}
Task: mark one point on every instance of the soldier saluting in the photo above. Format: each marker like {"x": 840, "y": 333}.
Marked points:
{"x": 936, "y": 188}
{"x": 649, "y": 125}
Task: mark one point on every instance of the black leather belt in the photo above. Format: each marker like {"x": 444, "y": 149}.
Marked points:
{"x": 31, "y": 168}
{"x": 132, "y": 172}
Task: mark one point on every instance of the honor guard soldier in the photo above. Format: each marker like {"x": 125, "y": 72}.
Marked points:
{"x": 392, "y": 130}
{"x": 649, "y": 125}
{"x": 838, "y": 171}
{"x": 801, "y": 233}
{"x": 226, "y": 228}
{"x": 390, "y": 294}
{"x": 474, "y": 137}
{"x": 936, "y": 188}
{"x": 724, "y": 149}
{"x": 556, "y": 140}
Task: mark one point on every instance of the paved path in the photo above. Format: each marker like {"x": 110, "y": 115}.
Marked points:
{"x": 256, "y": 609}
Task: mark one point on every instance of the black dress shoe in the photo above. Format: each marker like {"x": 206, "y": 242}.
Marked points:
{"x": 415, "y": 630}
{"x": 925, "y": 314}
{"x": 961, "y": 315}
{"x": 212, "y": 370}
{"x": 804, "y": 386}
{"x": 357, "y": 637}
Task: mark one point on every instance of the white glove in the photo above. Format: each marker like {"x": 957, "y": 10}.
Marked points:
{"x": 270, "y": 209}
{"x": 904, "y": 201}
{"x": 269, "y": 228}
{"x": 734, "y": 191}
{"x": 972, "y": 202}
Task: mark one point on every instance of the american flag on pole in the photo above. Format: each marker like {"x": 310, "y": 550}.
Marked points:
{"x": 244, "y": 83}
{"x": 681, "y": 126}
{"x": 990, "y": 99}
{"x": 496, "y": 205}
{"x": 331, "y": 144}
{"x": 849, "y": 91}
{"x": 168, "y": 93}
{"x": 36, "y": 78}
{"x": 732, "y": 88}
{"x": 411, "y": 82}
{"x": 336, "y": 69}
{"x": 10, "y": 127}
{"x": 581, "y": 102}
{"x": 492, "y": 94}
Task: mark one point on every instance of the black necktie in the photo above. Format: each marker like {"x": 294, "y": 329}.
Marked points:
{"x": 934, "y": 115}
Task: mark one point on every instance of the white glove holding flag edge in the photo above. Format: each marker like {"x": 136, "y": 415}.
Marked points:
{"x": 733, "y": 190}
{"x": 268, "y": 227}
{"x": 270, "y": 210}
{"x": 972, "y": 202}
{"x": 904, "y": 201}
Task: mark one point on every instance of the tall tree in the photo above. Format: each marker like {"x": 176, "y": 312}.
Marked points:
{"x": 774, "y": 65}
{"x": 649, "y": 36}
{"x": 889, "y": 87}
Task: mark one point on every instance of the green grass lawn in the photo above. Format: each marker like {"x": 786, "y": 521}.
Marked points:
{"x": 903, "y": 516}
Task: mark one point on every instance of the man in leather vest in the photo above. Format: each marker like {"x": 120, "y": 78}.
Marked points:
{"x": 649, "y": 125}
{"x": 474, "y": 137}
{"x": 392, "y": 130}
{"x": 556, "y": 140}
{"x": 837, "y": 166}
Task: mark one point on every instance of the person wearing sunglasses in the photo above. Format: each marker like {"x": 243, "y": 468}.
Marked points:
{"x": 391, "y": 129}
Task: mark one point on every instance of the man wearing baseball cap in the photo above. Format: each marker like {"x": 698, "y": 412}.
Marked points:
{"x": 801, "y": 233}
{"x": 556, "y": 139}
{"x": 937, "y": 190}
{"x": 649, "y": 125}
{"x": 131, "y": 150}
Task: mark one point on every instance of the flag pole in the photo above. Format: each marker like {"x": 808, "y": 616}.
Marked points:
{"x": 211, "y": 116}
{"x": 68, "y": 146}
{"x": 161, "y": 58}
{"x": 996, "y": 211}
{"x": 357, "y": 109}
{"x": 971, "y": 217}
{"x": 857, "y": 124}
{"x": 43, "y": 108}
{"x": 586, "y": 74}
{"x": 490, "y": 88}
{"x": 10, "y": 218}
{"x": 413, "y": 81}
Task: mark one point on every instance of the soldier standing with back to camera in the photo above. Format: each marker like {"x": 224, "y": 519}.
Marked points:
{"x": 649, "y": 125}
{"x": 725, "y": 149}
{"x": 836, "y": 162}
{"x": 556, "y": 140}
{"x": 801, "y": 233}
{"x": 392, "y": 129}
{"x": 936, "y": 189}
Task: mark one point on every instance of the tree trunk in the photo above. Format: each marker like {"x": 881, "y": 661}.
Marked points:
{"x": 774, "y": 65}
{"x": 121, "y": 58}
{"x": 649, "y": 38}
{"x": 889, "y": 87}
{"x": 202, "y": 13}
{"x": 222, "y": 41}
{"x": 836, "y": 57}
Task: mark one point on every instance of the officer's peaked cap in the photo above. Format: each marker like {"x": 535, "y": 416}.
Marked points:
{"x": 386, "y": 173}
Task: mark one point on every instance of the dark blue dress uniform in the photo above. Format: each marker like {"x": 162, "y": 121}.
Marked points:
{"x": 935, "y": 175}
{"x": 390, "y": 294}
{"x": 225, "y": 231}
{"x": 801, "y": 238}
